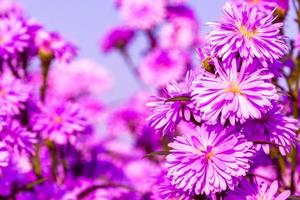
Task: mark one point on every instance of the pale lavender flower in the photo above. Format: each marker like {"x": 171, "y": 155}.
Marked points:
{"x": 13, "y": 94}
{"x": 236, "y": 96}
{"x": 243, "y": 31}
{"x": 174, "y": 106}
{"x": 160, "y": 66}
{"x": 117, "y": 38}
{"x": 273, "y": 127}
{"x": 60, "y": 121}
{"x": 94, "y": 79}
{"x": 143, "y": 14}
{"x": 208, "y": 160}
{"x": 250, "y": 191}
{"x": 14, "y": 37}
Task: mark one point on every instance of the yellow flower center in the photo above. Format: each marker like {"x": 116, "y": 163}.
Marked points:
{"x": 210, "y": 155}
{"x": 247, "y": 33}
{"x": 58, "y": 119}
{"x": 234, "y": 88}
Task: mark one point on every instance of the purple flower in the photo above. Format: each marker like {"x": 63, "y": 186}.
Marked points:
{"x": 236, "y": 96}
{"x": 208, "y": 160}
{"x": 243, "y": 31}
{"x": 143, "y": 14}
{"x": 13, "y": 94}
{"x": 177, "y": 104}
{"x": 14, "y": 37}
{"x": 181, "y": 31}
{"x": 250, "y": 191}
{"x": 60, "y": 121}
{"x": 17, "y": 138}
{"x": 9, "y": 7}
{"x": 163, "y": 189}
{"x": 161, "y": 66}
{"x": 52, "y": 44}
{"x": 273, "y": 127}
{"x": 4, "y": 154}
{"x": 117, "y": 38}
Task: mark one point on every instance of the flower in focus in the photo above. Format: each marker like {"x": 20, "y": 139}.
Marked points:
{"x": 163, "y": 189}
{"x": 52, "y": 44}
{"x": 177, "y": 104}
{"x": 250, "y": 191}
{"x": 14, "y": 37}
{"x": 143, "y": 14}
{"x": 60, "y": 122}
{"x": 161, "y": 66}
{"x": 181, "y": 31}
{"x": 208, "y": 160}
{"x": 250, "y": 35}
{"x": 117, "y": 38}
{"x": 273, "y": 127}
{"x": 234, "y": 95}
{"x": 13, "y": 94}
{"x": 17, "y": 138}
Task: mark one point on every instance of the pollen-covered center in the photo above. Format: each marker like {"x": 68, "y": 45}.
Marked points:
{"x": 246, "y": 32}
{"x": 234, "y": 88}
{"x": 58, "y": 119}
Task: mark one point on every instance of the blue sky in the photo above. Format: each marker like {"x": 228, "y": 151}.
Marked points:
{"x": 85, "y": 21}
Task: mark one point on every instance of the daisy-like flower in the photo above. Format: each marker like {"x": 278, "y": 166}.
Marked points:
{"x": 236, "y": 96}
{"x": 117, "y": 38}
{"x": 177, "y": 104}
{"x": 161, "y": 66}
{"x": 14, "y": 37}
{"x": 248, "y": 191}
{"x": 60, "y": 122}
{"x": 13, "y": 94}
{"x": 17, "y": 138}
{"x": 52, "y": 44}
{"x": 273, "y": 127}
{"x": 208, "y": 160}
{"x": 143, "y": 14}
{"x": 243, "y": 31}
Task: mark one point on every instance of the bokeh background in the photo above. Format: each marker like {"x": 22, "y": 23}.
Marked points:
{"x": 85, "y": 22}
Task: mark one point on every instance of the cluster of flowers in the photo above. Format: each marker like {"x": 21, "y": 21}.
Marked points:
{"x": 225, "y": 130}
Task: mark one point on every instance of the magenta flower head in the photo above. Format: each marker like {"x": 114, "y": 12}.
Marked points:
{"x": 273, "y": 127}
{"x": 52, "y": 44}
{"x": 14, "y": 37}
{"x": 250, "y": 191}
{"x": 174, "y": 106}
{"x": 60, "y": 122}
{"x": 161, "y": 66}
{"x": 208, "y": 160}
{"x": 245, "y": 32}
{"x": 17, "y": 138}
{"x": 236, "y": 96}
{"x": 117, "y": 38}
{"x": 143, "y": 14}
{"x": 13, "y": 94}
